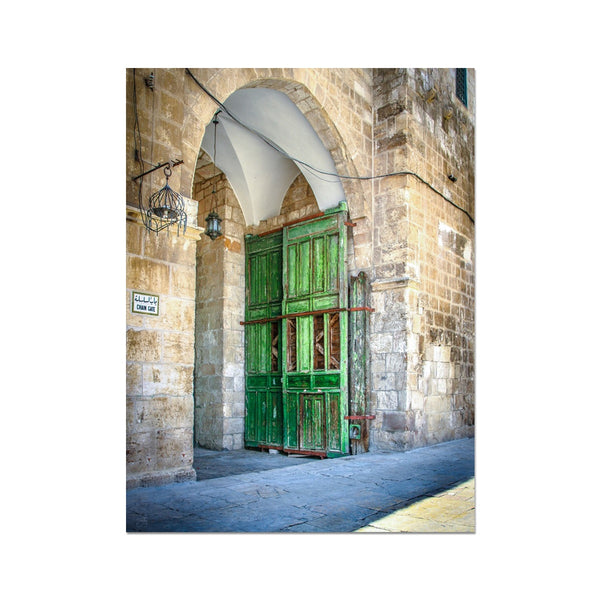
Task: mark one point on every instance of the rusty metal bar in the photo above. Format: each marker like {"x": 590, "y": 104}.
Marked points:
{"x": 269, "y": 447}
{"x": 307, "y": 452}
{"x": 349, "y": 224}
{"x": 359, "y": 417}
{"x": 309, "y": 218}
{"x": 306, "y": 314}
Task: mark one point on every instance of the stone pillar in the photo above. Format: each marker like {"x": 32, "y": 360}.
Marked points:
{"x": 160, "y": 355}
{"x": 219, "y": 374}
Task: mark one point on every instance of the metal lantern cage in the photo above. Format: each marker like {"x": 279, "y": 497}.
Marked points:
{"x": 165, "y": 208}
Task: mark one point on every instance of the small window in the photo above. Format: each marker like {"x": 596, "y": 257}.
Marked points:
{"x": 291, "y": 345}
{"x": 334, "y": 342}
{"x": 461, "y": 85}
{"x": 274, "y": 347}
{"x": 319, "y": 343}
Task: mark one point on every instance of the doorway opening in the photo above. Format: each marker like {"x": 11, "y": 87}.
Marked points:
{"x": 296, "y": 359}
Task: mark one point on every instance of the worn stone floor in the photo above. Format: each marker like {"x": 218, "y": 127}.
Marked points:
{"x": 451, "y": 511}
{"x": 427, "y": 490}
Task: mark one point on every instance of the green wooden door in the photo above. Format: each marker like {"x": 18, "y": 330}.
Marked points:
{"x": 315, "y": 385}
{"x": 296, "y": 356}
{"x": 264, "y": 411}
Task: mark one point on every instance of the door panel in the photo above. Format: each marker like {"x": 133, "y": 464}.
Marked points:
{"x": 296, "y": 366}
{"x": 312, "y": 435}
{"x": 315, "y": 378}
{"x": 264, "y": 407}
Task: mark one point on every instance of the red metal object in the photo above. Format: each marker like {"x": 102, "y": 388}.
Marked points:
{"x": 359, "y": 417}
{"x": 291, "y": 223}
{"x": 290, "y": 452}
{"x": 305, "y": 314}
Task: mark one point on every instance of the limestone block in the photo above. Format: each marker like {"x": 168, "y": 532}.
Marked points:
{"x": 233, "y": 370}
{"x": 239, "y": 384}
{"x": 170, "y": 248}
{"x": 178, "y": 348}
{"x": 233, "y": 425}
{"x": 234, "y": 410}
{"x": 133, "y": 379}
{"x": 134, "y": 238}
{"x": 394, "y": 421}
{"x": 395, "y": 362}
{"x": 399, "y": 345}
{"x": 171, "y": 107}
{"x": 384, "y": 381}
{"x": 143, "y": 345}
{"x": 381, "y": 343}
{"x": 415, "y": 400}
{"x": 183, "y": 281}
{"x": 378, "y": 364}
{"x": 151, "y": 414}
{"x": 174, "y": 448}
{"x": 147, "y": 276}
{"x": 442, "y": 370}
{"x": 167, "y": 135}
{"x": 386, "y": 400}
{"x": 176, "y": 314}
{"x": 171, "y": 380}
{"x": 140, "y": 452}
{"x": 437, "y": 422}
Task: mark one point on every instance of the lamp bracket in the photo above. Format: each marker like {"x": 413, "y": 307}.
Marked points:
{"x": 169, "y": 163}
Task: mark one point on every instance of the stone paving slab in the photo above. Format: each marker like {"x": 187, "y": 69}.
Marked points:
{"x": 427, "y": 489}
{"x": 452, "y": 511}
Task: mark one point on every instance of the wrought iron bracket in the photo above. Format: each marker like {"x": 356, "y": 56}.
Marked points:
{"x": 169, "y": 163}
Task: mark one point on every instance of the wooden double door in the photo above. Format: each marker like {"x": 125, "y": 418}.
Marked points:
{"x": 296, "y": 338}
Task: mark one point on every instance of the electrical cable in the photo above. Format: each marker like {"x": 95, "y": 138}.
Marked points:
{"x": 137, "y": 138}
{"x": 315, "y": 170}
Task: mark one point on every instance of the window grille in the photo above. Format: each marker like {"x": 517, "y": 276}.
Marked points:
{"x": 461, "y": 85}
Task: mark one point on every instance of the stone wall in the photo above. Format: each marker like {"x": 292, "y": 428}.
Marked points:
{"x": 415, "y": 246}
{"x": 160, "y": 356}
{"x": 171, "y": 116}
{"x": 423, "y": 262}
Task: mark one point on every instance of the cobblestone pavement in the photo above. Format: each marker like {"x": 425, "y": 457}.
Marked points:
{"x": 424, "y": 490}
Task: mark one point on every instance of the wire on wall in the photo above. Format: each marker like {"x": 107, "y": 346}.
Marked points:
{"x": 313, "y": 169}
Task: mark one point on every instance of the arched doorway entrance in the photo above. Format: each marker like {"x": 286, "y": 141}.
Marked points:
{"x": 272, "y": 297}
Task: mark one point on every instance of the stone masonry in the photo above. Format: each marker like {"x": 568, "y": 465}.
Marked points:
{"x": 412, "y": 237}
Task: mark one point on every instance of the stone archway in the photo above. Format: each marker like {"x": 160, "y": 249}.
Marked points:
{"x": 343, "y": 135}
{"x": 220, "y": 284}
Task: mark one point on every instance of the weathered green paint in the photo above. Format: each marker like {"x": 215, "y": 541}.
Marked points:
{"x": 264, "y": 410}
{"x": 299, "y": 401}
{"x": 315, "y": 393}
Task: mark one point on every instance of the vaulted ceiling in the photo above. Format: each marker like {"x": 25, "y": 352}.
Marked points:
{"x": 259, "y": 174}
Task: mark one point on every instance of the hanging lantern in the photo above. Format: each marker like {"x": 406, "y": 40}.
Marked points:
{"x": 213, "y": 221}
{"x": 213, "y": 226}
{"x": 165, "y": 208}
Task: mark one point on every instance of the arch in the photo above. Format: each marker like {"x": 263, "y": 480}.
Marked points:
{"x": 226, "y": 82}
